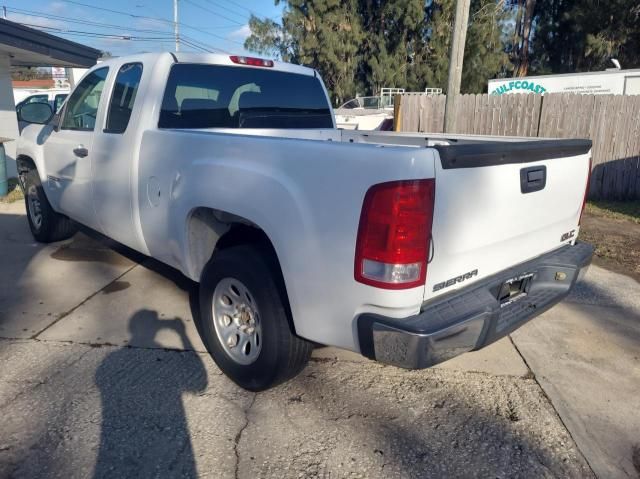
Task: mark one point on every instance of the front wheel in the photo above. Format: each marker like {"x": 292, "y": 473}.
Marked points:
{"x": 245, "y": 320}
{"x": 46, "y": 225}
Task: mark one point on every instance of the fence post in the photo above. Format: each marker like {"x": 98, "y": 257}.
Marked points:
{"x": 397, "y": 117}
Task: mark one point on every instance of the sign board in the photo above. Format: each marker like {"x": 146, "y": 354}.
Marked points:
{"x": 614, "y": 82}
{"x": 58, "y": 73}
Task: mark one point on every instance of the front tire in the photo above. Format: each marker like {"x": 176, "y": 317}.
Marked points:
{"x": 46, "y": 225}
{"x": 245, "y": 320}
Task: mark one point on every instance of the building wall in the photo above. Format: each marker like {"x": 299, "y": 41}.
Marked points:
{"x": 8, "y": 119}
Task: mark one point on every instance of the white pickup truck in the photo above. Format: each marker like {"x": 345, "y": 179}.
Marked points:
{"x": 407, "y": 248}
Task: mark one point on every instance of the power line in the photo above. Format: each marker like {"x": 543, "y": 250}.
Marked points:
{"x": 192, "y": 42}
{"x": 242, "y": 6}
{"x": 133, "y": 15}
{"x": 193, "y": 45}
{"x": 111, "y": 36}
{"x": 249, "y": 10}
{"x": 226, "y": 9}
{"x": 211, "y": 11}
{"x": 81, "y": 22}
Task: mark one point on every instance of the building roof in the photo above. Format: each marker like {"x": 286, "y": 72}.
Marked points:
{"x": 30, "y": 47}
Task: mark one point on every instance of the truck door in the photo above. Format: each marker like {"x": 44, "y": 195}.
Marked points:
{"x": 67, "y": 150}
{"x": 114, "y": 168}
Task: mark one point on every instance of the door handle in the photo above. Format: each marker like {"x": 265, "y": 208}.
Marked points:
{"x": 533, "y": 179}
{"x": 80, "y": 151}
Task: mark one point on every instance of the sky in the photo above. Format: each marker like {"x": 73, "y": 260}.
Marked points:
{"x": 124, "y": 27}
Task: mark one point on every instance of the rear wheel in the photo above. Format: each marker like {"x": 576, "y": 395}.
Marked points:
{"x": 245, "y": 320}
{"x": 46, "y": 225}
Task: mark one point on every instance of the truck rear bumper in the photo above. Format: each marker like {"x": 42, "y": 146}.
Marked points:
{"x": 473, "y": 317}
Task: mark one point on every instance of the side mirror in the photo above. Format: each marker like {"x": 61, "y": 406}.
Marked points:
{"x": 40, "y": 113}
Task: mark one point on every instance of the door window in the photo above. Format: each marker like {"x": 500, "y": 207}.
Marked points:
{"x": 58, "y": 101}
{"x": 82, "y": 106}
{"x": 123, "y": 97}
{"x": 37, "y": 99}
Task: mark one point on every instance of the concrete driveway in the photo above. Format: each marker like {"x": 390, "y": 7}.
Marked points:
{"x": 102, "y": 374}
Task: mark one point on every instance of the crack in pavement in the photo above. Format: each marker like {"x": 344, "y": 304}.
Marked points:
{"x": 88, "y": 298}
{"x": 239, "y": 435}
{"x": 548, "y": 399}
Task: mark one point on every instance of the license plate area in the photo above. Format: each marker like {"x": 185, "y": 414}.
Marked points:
{"x": 514, "y": 289}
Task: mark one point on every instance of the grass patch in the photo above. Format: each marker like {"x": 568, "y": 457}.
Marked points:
{"x": 619, "y": 210}
{"x": 15, "y": 192}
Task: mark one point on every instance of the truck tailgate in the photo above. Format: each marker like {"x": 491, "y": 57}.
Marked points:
{"x": 499, "y": 204}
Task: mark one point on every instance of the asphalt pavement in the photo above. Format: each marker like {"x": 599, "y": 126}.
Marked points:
{"x": 102, "y": 374}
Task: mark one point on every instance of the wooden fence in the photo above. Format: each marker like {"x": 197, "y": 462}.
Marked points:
{"x": 612, "y": 122}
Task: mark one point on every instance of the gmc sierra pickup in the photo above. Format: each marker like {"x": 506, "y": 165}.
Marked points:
{"x": 408, "y": 248}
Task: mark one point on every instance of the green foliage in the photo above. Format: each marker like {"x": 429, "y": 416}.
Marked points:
{"x": 364, "y": 45}
{"x": 392, "y": 44}
{"x": 323, "y": 34}
{"x": 583, "y": 35}
{"x": 269, "y": 38}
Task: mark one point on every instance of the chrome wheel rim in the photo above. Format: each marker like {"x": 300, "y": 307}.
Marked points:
{"x": 237, "y": 321}
{"x": 35, "y": 208}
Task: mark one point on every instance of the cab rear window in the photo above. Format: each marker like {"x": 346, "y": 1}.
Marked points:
{"x": 215, "y": 96}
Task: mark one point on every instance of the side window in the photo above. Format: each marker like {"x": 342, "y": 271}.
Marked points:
{"x": 58, "y": 101}
{"x": 125, "y": 89}
{"x": 37, "y": 99}
{"x": 82, "y": 106}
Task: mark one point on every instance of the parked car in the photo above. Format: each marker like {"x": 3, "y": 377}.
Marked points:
{"x": 55, "y": 97}
{"x": 407, "y": 248}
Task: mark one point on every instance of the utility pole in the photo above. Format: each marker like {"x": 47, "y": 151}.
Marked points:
{"x": 176, "y": 32}
{"x": 456, "y": 58}
{"x": 4, "y": 12}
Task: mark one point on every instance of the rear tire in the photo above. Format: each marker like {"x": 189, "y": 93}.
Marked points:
{"x": 245, "y": 320}
{"x": 46, "y": 225}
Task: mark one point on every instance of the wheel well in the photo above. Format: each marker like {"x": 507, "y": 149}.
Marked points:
{"x": 210, "y": 230}
{"x": 25, "y": 163}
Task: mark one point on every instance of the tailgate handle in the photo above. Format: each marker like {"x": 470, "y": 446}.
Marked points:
{"x": 533, "y": 179}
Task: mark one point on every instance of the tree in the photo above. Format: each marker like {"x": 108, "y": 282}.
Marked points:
{"x": 573, "y": 36}
{"x": 484, "y": 55}
{"x": 270, "y": 38}
{"x": 323, "y": 34}
{"x": 392, "y": 44}
{"x": 520, "y": 45}
{"x": 365, "y": 45}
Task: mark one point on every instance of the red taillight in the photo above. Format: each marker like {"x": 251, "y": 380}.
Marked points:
{"x": 586, "y": 193}
{"x": 254, "y": 62}
{"x": 394, "y": 234}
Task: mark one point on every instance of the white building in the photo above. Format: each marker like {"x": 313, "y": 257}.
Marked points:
{"x": 608, "y": 82}
{"x": 24, "y": 46}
